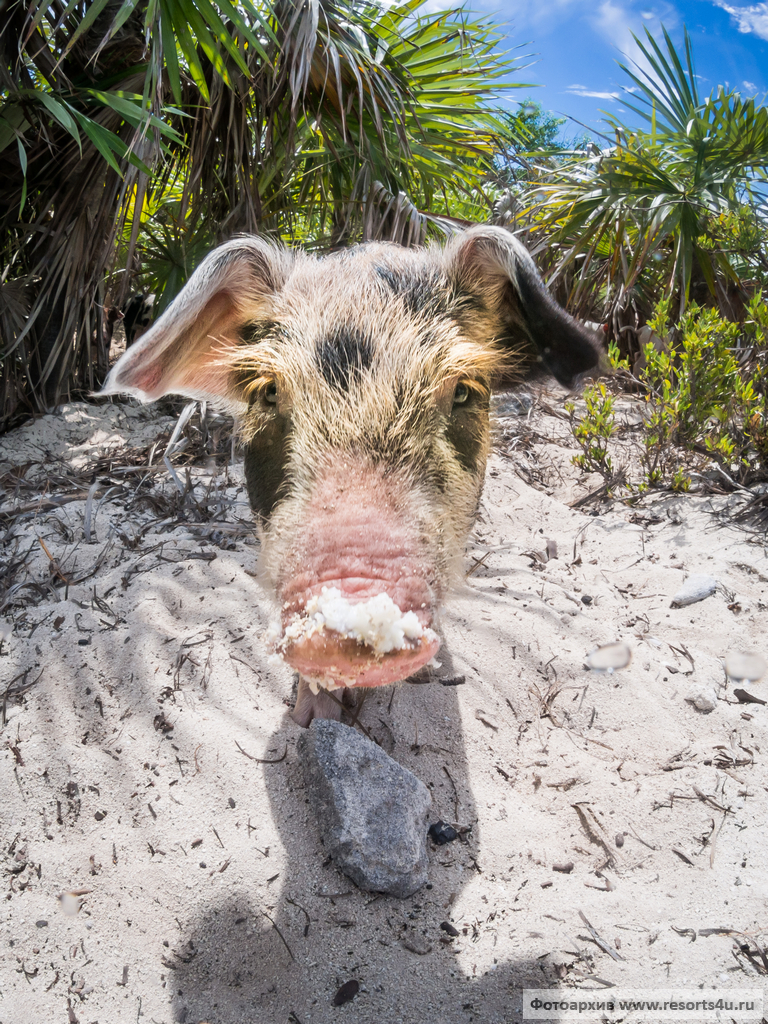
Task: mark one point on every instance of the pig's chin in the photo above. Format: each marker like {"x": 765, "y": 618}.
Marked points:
{"x": 329, "y": 660}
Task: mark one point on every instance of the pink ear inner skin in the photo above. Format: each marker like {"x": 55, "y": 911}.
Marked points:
{"x": 147, "y": 379}
{"x": 193, "y": 363}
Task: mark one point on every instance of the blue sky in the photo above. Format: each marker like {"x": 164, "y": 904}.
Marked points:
{"x": 575, "y": 45}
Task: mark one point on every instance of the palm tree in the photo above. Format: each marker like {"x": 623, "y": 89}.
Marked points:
{"x": 637, "y": 219}
{"x": 170, "y": 125}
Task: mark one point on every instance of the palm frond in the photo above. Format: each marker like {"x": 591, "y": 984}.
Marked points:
{"x": 635, "y": 217}
{"x": 145, "y": 131}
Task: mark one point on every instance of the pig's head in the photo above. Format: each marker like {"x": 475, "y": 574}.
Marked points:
{"x": 362, "y": 381}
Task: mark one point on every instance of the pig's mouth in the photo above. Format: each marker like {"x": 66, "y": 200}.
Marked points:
{"x": 335, "y": 642}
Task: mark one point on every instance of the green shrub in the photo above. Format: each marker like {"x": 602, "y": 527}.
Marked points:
{"x": 594, "y": 430}
{"x": 706, "y": 400}
{"x": 701, "y": 398}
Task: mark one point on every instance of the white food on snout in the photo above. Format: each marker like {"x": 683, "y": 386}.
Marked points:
{"x": 377, "y": 622}
{"x": 327, "y": 684}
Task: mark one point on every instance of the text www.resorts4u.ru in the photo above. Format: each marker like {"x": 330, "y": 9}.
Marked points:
{"x": 742, "y": 1005}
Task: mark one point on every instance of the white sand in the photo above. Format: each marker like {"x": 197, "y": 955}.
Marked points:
{"x": 193, "y": 854}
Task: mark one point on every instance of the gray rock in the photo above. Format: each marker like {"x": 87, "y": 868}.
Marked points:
{"x": 704, "y": 699}
{"x": 371, "y": 811}
{"x": 517, "y": 404}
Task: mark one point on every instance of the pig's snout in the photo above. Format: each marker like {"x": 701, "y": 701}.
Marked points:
{"x": 357, "y": 604}
{"x": 342, "y": 638}
{"x": 330, "y": 661}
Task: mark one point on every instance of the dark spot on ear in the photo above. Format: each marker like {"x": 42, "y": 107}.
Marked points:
{"x": 343, "y": 352}
{"x": 265, "y": 460}
{"x": 461, "y": 302}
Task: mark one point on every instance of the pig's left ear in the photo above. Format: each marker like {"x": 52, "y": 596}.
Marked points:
{"x": 185, "y": 352}
{"x": 493, "y": 265}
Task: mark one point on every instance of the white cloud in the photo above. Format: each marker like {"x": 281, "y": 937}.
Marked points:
{"x": 751, "y": 19}
{"x": 618, "y": 24}
{"x": 749, "y": 87}
{"x": 577, "y": 90}
{"x": 613, "y": 23}
{"x": 613, "y": 20}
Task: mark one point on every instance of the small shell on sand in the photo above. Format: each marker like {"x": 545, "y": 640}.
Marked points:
{"x": 746, "y": 666}
{"x": 695, "y": 588}
{"x": 609, "y": 657}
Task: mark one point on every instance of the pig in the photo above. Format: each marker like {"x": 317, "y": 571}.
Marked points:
{"x": 137, "y": 315}
{"x": 361, "y": 381}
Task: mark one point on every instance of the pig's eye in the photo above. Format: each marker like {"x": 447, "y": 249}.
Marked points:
{"x": 270, "y": 393}
{"x": 461, "y": 394}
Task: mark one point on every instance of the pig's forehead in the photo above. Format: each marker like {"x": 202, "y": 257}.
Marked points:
{"x": 372, "y": 273}
{"x": 373, "y": 313}
{"x": 377, "y": 291}
{"x": 358, "y": 341}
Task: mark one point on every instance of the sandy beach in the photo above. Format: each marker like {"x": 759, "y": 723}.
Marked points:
{"x": 160, "y": 863}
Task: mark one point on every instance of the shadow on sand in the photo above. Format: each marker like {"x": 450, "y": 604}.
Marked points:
{"x": 282, "y": 956}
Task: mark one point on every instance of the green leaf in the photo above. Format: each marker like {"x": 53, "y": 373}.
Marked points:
{"x": 22, "y": 157}
{"x": 169, "y": 54}
{"x": 23, "y": 165}
{"x": 128, "y": 106}
{"x": 105, "y": 141}
{"x": 57, "y": 110}
{"x": 178, "y": 15}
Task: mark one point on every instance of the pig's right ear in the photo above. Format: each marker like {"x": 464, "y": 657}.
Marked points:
{"x": 185, "y": 352}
